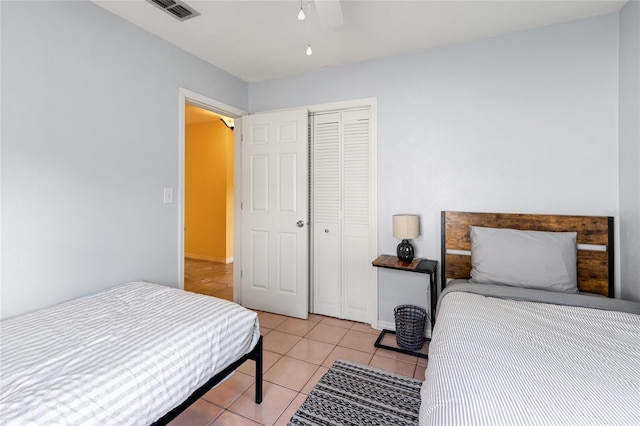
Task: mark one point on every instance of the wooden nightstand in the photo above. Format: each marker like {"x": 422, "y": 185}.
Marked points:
{"x": 422, "y": 266}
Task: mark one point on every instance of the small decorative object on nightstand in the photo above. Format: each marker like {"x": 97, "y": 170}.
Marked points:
{"x": 405, "y": 227}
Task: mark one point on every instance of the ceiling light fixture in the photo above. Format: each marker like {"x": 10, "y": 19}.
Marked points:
{"x": 301, "y": 14}
{"x": 309, "y": 51}
{"x": 228, "y": 122}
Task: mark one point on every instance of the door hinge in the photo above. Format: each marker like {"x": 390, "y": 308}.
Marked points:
{"x": 241, "y": 273}
{"x": 241, "y": 205}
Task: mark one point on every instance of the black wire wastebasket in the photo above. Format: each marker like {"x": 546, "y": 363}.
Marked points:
{"x": 410, "y": 321}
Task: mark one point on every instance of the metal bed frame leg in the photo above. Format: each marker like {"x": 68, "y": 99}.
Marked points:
{"x": 259, "y": 371}
{"x": 255, "y": 355}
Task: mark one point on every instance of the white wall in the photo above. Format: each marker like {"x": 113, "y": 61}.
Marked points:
{"x": 523, "y": 123}
{"x": 629, "y": 164}
{"x": 89, "y": 140}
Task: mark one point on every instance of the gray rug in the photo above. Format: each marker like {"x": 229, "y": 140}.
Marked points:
{"x": 355, "y": 394}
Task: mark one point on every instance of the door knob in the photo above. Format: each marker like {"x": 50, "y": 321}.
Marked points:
{"x": 326, "y": 231}
{"x": 300, "y": 223}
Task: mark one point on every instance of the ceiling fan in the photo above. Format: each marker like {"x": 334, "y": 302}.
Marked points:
{"x": 330, "y": 13}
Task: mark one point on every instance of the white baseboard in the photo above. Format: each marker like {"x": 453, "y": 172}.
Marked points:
{"x": 208, "y": 258}
{"x": 386, "y": 325}
{"x": 392, "y": 326}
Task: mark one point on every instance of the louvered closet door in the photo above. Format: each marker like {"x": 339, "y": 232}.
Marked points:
{"x": 356, "y": 194}
{"x": 342, "y": 216}
{"x": 326, "y": 213}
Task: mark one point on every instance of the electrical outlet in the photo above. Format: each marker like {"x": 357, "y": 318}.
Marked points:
{"x": 168, "y": 195}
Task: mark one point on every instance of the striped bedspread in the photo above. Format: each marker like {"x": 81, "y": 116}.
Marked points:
{"x": 504, "y": 362}
{"x": 125, "y": 356}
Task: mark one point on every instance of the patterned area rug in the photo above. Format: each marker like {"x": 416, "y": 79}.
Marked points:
{"x": 355, "y": 394}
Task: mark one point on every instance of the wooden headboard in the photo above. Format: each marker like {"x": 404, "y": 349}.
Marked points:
{"x": 594, "y": 239}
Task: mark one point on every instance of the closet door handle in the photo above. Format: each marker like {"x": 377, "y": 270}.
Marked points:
{"x": 300, "y": 223}
{"x": 326, "y": 231}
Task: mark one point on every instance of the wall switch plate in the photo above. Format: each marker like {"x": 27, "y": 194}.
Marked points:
{"x": 168, "y": 195}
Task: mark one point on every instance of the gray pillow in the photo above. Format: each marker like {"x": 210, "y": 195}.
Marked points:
{"x": 531, "y": 259}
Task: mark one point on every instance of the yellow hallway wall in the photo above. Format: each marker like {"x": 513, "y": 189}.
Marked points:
{"x": 209, "y": 191}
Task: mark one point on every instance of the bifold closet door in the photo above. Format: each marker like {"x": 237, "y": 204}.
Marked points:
{"x": 342, "y": 214}
{"x": 327, "y": 129}
{"x": 356, "y": 217}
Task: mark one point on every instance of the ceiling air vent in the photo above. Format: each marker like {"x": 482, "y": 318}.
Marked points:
{"x": 176, "y": 8}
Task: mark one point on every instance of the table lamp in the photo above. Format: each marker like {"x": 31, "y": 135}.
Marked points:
{"x": 405, "y": 227}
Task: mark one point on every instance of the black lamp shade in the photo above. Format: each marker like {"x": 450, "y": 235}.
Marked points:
{"x": 405, "y": 251}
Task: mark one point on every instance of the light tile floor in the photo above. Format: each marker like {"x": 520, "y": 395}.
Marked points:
{"x": 296, "y": 355}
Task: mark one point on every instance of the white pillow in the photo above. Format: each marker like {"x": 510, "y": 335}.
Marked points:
{"x": 531, "y": 259}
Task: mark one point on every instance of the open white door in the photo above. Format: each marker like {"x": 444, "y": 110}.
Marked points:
{"x": 275, "y": 234}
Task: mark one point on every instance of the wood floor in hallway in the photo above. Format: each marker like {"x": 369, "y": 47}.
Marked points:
{"x": 211, "y": 278}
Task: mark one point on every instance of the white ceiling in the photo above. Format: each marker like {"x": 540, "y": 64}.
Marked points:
{"x": 263, "y": 40}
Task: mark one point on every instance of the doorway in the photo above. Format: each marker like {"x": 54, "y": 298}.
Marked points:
{"x": 208, "y": 202}
{"x": 219, "y": 266}
{"x": 186, "y": 99}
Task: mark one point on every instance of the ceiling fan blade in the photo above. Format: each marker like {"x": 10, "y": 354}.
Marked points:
{"x": 330, "y": 13}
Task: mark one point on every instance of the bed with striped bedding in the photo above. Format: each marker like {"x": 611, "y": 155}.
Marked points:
{"x": 516, "y": 360}
{"x": 124, "y": 356}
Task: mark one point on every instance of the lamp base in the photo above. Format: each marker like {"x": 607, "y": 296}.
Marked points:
{"x": 405, "y": 251}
